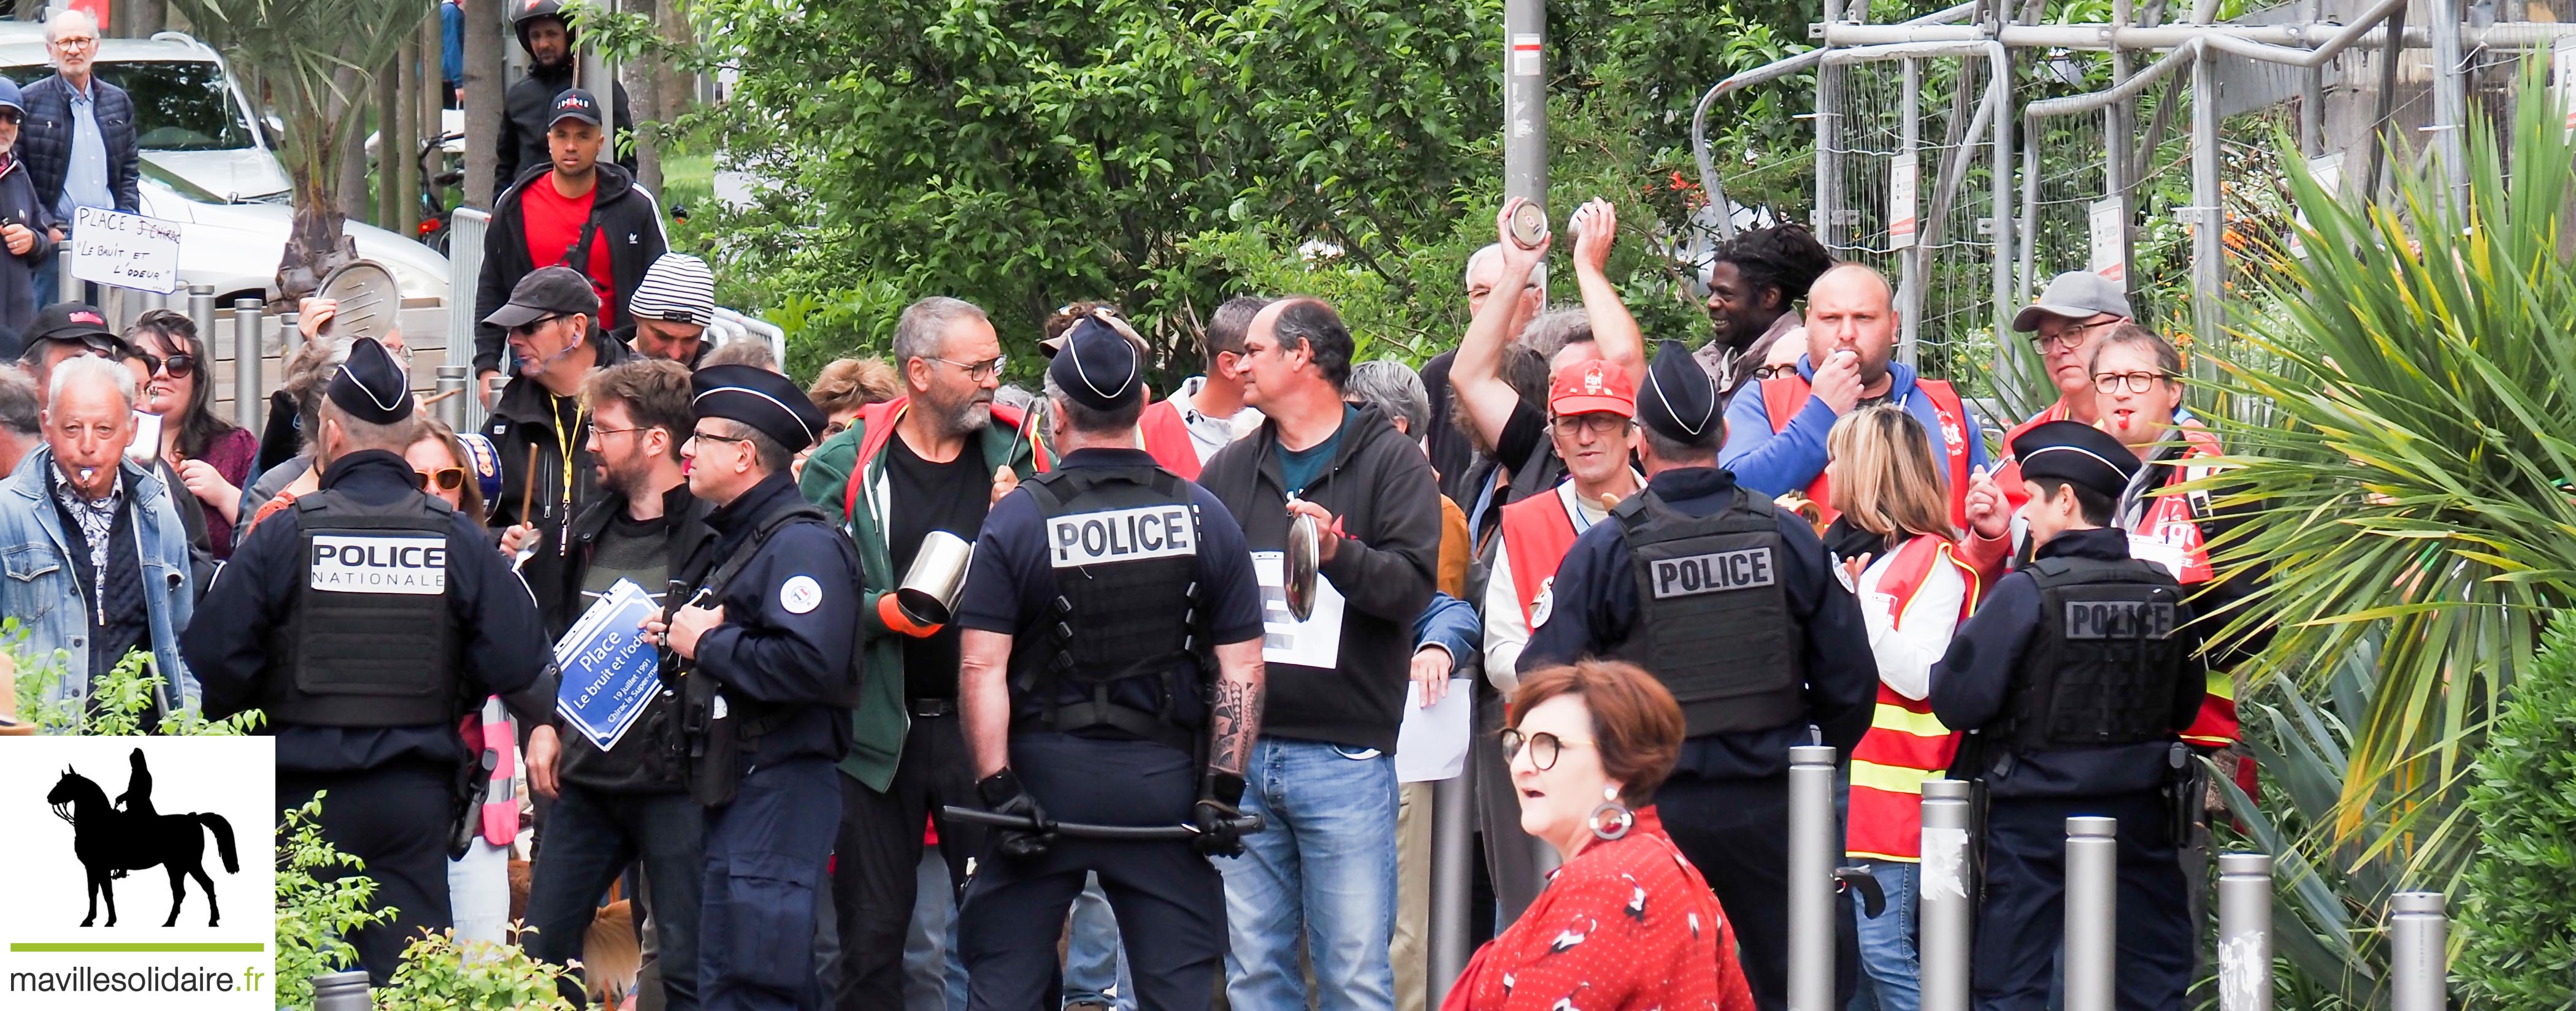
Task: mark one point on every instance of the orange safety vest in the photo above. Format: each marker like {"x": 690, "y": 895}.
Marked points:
{"x": 1537, "y": 532}
{"x": 1783, "y": 397}
{"x": 1167, "y": 437}
{"x": 2174, "y": 520}
{"x": 1906, "y": 744}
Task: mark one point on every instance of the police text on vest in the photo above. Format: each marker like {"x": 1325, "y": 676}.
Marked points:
{"x": 1121, "y": 535}
{"x": 2118, "y": 619}
{"x": 343, "y": 563}
{"x": 1712, "y": 572}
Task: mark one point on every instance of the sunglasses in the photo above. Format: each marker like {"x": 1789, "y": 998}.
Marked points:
{"x": 442, "y": 479}
{"x": 530, "y": 327}
{"x": 180, "y": 366}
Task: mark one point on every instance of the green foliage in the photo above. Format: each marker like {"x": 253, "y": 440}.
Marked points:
{"x": 441, "y": 973}
{"x": 120, "y": 704}
{"x": 2519, "y": 915}
{"x": 318, "y": 904}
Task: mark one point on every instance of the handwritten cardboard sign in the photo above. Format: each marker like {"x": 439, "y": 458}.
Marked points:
{"x": 125, "y": 250}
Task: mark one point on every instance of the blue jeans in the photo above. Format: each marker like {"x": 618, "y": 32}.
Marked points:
{"x": 934, "y": 977}
{"x": 1891, "y": 977}
{"x": 1095, "y": 964}
{"x": 1323, "y": 869}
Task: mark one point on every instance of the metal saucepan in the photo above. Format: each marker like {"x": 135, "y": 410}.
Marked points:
{"x": 369, "y": 301}
{"x": 938, "y": 574}
{"x": 1304, "y": 560}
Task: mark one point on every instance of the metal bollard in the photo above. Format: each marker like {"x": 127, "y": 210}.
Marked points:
{"x": 1814, "y": 848}
{"x": 1453, "y": 865}
{"x": 2244, "y": 932}
{"x": 342, "y": 991}
{"x": 289, "y": 339}
{"x": 201, "y": 311}
{"x": 2092, "y": 912}
{"x": 452, "y": 383}
{"x": 2418, "y": 965}
{"x": 250, "y": 395}
{"x": 1948, "y": 906}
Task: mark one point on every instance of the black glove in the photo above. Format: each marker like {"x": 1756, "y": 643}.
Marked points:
{"x": 1001, "y": 792}
{"x": 1220, "y": 803}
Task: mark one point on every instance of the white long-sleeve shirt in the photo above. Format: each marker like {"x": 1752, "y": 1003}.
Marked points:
{"x": 1905, "y": 655}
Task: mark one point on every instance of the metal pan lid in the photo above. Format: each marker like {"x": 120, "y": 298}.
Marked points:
{"x": 369, "y": 301}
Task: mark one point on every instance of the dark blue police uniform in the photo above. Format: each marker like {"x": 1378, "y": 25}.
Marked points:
{"x": 2031, "y": 793}
{"x": 1169, "y": 900}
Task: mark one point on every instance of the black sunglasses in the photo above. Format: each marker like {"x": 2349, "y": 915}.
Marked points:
{"x": 530, "y": 327}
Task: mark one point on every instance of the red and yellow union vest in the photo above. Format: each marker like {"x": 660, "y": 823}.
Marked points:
{"x": 2174, "y": 521}
{"x": 1783, "y": 397}
{"x": 1537, "y": 532}
{"x": 1906, "y": 744}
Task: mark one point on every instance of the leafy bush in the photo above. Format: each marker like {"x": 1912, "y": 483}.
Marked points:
{"x": 2519, "y": 913}
{"x": 119, "y": 705}
{"x": 316, "y": 905}
{"x": 440, "y": 973}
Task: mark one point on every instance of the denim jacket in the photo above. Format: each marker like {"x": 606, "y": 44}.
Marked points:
{"x": 42, "y": 590}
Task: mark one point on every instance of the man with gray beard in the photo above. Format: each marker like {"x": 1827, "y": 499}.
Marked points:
{"x": 935, "y": 459}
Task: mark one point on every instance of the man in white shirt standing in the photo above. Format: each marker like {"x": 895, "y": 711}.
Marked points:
{"x": 1210, "y": 407}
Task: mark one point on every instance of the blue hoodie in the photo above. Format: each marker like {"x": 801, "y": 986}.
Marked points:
{"x": 1793, "y": 459}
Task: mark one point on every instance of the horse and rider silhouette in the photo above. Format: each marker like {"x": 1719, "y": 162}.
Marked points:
{"x": 111, "y": 841}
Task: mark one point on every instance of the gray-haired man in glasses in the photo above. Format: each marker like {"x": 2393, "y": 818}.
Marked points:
{"x": 2065, "y": 325}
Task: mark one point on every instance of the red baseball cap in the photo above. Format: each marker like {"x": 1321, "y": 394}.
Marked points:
{"x": 1589, "y": 386}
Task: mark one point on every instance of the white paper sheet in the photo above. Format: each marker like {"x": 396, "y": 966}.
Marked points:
{"x": 1314, "y": 642}
{"x": 1432, "y": 743}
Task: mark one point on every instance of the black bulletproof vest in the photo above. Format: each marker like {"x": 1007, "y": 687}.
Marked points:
{"x": 1713, "y": 619}
{"x": 2103, "y": 666}
{"x": 1122, "y": 544}
{"x": 370, "y": 641}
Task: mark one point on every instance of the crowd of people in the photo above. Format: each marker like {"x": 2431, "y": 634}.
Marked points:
{"x": 1139, "y": 752}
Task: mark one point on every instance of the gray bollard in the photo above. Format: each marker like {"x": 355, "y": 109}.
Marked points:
{"x": 342, "y": 991}
{"x": 1814, "y": 848}
{"x": 201, "y": 311}
{"x": 250, "y": 395}
{"x": 289, "y": 339}
{"x": 452, "y": 383}
{"x": 2092, "y": 913}
{"x": 1948, "y": 905}
{"x": 2244, "y": 932}
{"x": 1453, "y": 873}
{"x": 2418, "y": 965}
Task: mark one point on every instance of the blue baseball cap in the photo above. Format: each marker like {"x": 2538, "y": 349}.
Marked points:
{"x": 9, "y": 95}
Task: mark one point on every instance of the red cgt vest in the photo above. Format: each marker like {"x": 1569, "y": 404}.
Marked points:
{"x": 2174, "y": 521}
{"x": 1784, "y": 396}
{"x": 1906, "y": 744}
{"x": 1537, "y": 532}
{"x": 1167, "y": 438}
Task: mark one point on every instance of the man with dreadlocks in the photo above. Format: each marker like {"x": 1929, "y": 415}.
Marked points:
{"x": 1754, "y": 285}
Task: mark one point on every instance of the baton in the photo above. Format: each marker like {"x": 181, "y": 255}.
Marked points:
{"x": 1245, "y": 824}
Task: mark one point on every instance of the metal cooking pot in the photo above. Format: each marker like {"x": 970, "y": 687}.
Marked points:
{"x": 938, "y": 574}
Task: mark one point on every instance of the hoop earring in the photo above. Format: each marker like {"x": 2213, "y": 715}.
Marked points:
{"x": 1612, "y": 819}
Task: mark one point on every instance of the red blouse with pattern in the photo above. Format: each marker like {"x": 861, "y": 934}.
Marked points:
{"x": 1626, "y": 924}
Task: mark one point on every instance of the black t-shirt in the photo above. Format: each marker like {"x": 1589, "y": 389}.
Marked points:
{"x": 928, "y": 496}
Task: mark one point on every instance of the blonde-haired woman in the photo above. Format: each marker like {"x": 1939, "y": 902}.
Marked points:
{"x": 1898, "y": 553}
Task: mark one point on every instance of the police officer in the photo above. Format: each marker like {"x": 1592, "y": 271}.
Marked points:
{"x": 359, "y": 621}
{"x": 1734, "y": 604}
{"x": 764, "y": 652}
{"x": 2076, "y": 675}
{"x": 1131, "y": 722}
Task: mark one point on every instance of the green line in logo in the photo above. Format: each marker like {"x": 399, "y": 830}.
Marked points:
{"x": 25, "y": 948}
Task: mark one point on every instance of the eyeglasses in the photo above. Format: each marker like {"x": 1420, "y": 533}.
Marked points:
{"x": 2137, "y": 382}
{"x": 697, "y": 436}
{"x": 2068, "y": 338}
{"x": 442, "y": 479}
{"x": 530, "y": 327}
{"x": 1543, "y": 747}
{"x": 1776, "y": 371}
{"x": 75, "y": 42}
{"x": 596, "y": 430}
{"x": 978, "y": 370}
{"x": 1598, "y": 422}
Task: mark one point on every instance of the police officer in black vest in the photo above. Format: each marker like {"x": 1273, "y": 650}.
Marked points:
{"x": 765, "y": 655}
{"x": 363, "y": 621}
{"x": 1112, "y": 676}
{"x": 1734, "y": 604}
{"x": 2076, "y": 675}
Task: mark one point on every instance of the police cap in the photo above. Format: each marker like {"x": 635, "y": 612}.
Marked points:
{"x": 371, "y": 385}
{"x": 768, "y": 402}
{"x": 1679, "y": 400}
{"x": 1098, "y": 368}
{"x": 2077, "y": 453}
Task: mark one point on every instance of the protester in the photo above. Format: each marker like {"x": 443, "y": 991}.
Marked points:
{"x": 547, "y": 37}
{"x": 1324, "y": 871}
{"x": 571, "y": 212}
{"x": 26, "y": 226}
{"x": 1898, "y": 553}
{"x": 1107, "y": 727}
{"x": 2066, "y": 325}
{"x": 1210, "y": 407}
{"x": 2076, "y": 717}
{"x": 671, "y": 309}
{"x": 316, "y": 660}
{"x": 21, "y": 425}
{"x": 78, "y": 140}
{"x": 935, "y": 460}
{"x": 617, "y": 806}
{"x": 1755, "y": 282}
{"x": 445, "y": 468}
{"x": 1628, "y": 922}
{"x": 212, "y": 456}
{"x": 552, "y": 320}
{"x": 1453, "y": 451}
{"x": 1775, "y": 432}
{"x": 284, "y": 435}
{"x": 1757, "y": 655}
{"x": 105, "y": 561}
{"x": 306, "y": 381}
{"x": 847, "y": 384}
{"x": 767, "y": 676}
{"x": 1780, "y": 360}
{"x": 754, "y": 353}
{"x": 65, "y": 331}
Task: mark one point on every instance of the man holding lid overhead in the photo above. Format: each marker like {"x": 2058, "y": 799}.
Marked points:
{"x": 2075, "y": 678}
{"x": 359, "y": 620}
{"x": 761, "y": 638}
{"x": 1734, "y": 605}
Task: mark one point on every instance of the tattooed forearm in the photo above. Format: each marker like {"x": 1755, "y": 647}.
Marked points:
{"x": 1234, "y": 708}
